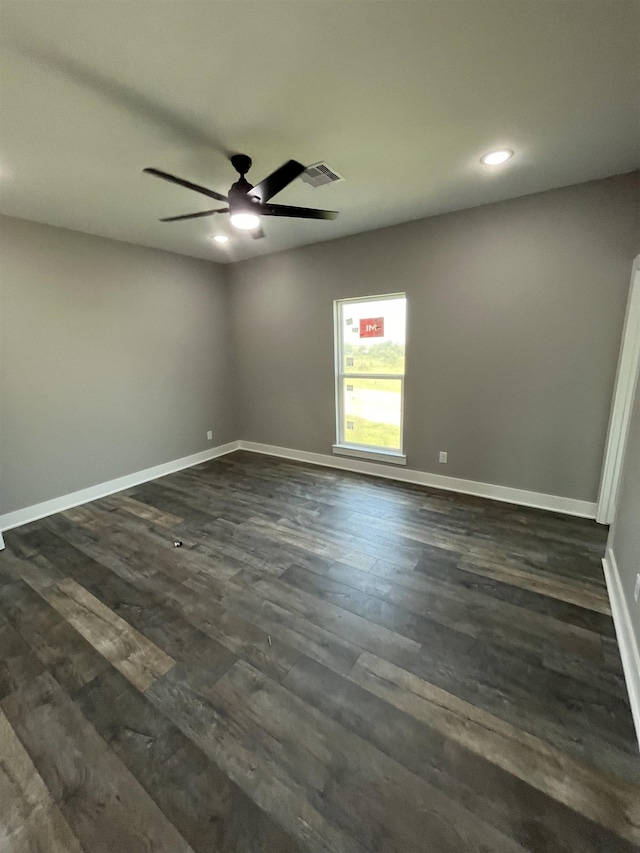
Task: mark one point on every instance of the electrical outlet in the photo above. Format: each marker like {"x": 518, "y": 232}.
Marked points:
{"x": 209, "y": 435}
{"x": 636, "y": 591}
{"x": 443, "y": 456}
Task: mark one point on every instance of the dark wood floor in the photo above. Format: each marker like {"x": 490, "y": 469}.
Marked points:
{"x": 329, "y": 663}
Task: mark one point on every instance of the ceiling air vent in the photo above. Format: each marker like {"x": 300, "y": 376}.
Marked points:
{"x": 319, "y": 174}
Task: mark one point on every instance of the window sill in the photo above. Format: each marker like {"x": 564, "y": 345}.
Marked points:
{"x": 391, "y": 457}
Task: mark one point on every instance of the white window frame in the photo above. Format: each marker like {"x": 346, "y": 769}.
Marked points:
{"x": 342, "y": 447}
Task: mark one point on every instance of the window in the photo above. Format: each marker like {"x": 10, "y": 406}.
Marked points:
{"x": 370, "y": 353}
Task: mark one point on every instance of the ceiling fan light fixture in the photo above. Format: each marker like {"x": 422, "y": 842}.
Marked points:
{"x": 246, "y": 203}
{"x": 495, "y": 158}
{"x": 245, "y": 221}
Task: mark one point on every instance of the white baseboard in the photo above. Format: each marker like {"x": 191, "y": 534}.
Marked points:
{"x": 555, "y": 503}
{"x": 32, "y": 513}
{"x": 627, "y": 644}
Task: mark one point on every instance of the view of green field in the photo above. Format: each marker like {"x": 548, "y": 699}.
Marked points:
{"x": 372, "y": 410}
{"x": 387, "y": 357}
{"x": 373, "y": 434}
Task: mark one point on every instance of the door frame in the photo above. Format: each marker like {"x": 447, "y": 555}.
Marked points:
{"x": 626, "y": 378}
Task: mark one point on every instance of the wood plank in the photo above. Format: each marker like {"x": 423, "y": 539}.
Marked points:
{"x": 270, "y": 654}
{"x": 574, "y": 716}
{"x": 105, "y": 806}
{"x": 129, "y": 651}
{"x": 348, "y": 626}
{"x": 250, "y": 547}
{"x": 331, "y": 550}
{"x": 89, "y": 516}
{"x": 130, "y": 548}
{"x": 469, "y": 776}
{"x": 590, "y": 599}
{"x": 18, "y": 664}
{"x": 30, "y": 821}
{"x": 130, "y": 625}
{"x": 505, "y": 681}
{"x": 11, "y": 564}
{"x": 408, "y": 622}
{"x": 156, "y": 495}
{"x": 471, "y": 613}
{"x": 138, "y": 598}
{"x": 245, "y": 758}
{"x": 357, "y": 797}
{"x": 197, "y": 553}
{"x": 311, "y": 751}
{"x": 481, "y": 554}
{"x": 139, "y": 660}
{"x": 460, "y": 580}
{"x": 280, "y": 623}
{"x": 535, "y": 761}
{"x": 376, "y": 542}
{"x": 206, "y": 807}
{"x": 142, "y": 510}
{"x": 59, "y": 647}
{"x": 561, "y": 646}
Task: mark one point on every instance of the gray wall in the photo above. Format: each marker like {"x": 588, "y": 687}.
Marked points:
{"x": 515, "y": 316}
{"x": 114, "y": 358}
{"x": 624, "y": 538}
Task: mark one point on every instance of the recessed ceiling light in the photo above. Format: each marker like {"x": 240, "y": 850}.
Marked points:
{"x": 494, "y": 158}
{"x": 221, "y": 238}
{"x": 245, "y": 221}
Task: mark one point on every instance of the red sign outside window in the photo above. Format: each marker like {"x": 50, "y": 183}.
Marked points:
{"x": 372, "y": 327}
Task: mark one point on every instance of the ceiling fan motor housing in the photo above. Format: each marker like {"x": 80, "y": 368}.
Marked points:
{"x": 241, "y": 163}
{"x": 238, "y": 196}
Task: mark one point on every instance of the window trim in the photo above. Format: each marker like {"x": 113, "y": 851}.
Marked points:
{"x": 358, "y": 451}
{"x": 342, "y": 447}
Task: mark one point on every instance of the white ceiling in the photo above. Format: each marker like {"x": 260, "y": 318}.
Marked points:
{"x": 400, "y": 97}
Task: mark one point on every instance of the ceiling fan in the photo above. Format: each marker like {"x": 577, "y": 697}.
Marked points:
{"x": 248, "y": 203}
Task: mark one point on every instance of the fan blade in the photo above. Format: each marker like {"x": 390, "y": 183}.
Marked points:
{"x": 194, "y": 215}
{"x": 172, "y": 179}
{"x": 301, "y": 212}
{"x": 257, "y": 234}
{"x": 277, "y": 180}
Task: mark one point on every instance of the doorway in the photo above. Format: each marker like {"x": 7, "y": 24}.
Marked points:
{"x": 626, "y": 377}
